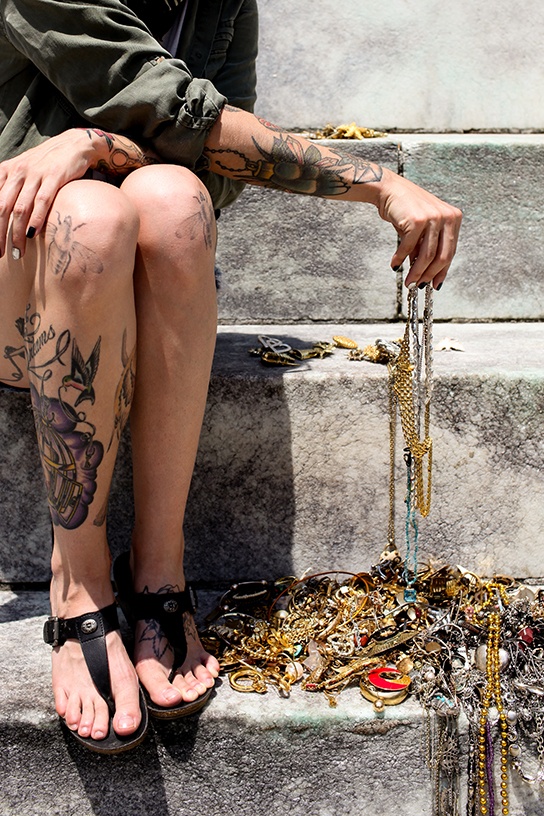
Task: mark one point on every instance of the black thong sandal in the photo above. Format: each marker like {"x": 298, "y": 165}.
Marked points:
{"x": 91, "y": 630}
{"x": 167, "y": 609}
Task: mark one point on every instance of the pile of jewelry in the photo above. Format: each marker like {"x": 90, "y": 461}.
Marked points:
{"x": 453, "y": 640}
{"x": 463, "y": 643}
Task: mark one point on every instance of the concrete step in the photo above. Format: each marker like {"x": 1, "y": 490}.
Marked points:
{"x": 292, "y": 472}
{"x": 244, "y": 754}
{"x": 296, "y": 259}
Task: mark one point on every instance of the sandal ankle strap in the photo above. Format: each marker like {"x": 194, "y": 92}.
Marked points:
{"x": 92, "y": 625}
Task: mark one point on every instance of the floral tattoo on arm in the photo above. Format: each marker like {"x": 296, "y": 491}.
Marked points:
{"x": 295, "y": 166}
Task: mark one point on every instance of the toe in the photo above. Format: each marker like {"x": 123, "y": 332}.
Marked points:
{"x": 101, "y": 720}
{"x": 191, "y": 688}
{"x": 72, "y": 715}
{"x": 87, "y": 718}
{"x": 61, "y": 702}
{"x": 208, "y": 670}
{"x": 156, "y": 682}
{"x": 127, "y": 715}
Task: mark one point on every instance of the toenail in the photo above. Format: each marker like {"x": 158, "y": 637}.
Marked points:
{"x": 98, "y": 735}
{"x": 171, "y": 695}
{"x": 126, "y": 722}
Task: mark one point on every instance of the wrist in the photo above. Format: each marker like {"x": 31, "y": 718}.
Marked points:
{"x": 376, "y": 191}
{"x": 96, "y": 145}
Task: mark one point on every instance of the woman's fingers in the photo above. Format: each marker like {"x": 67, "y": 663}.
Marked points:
{"x": 9, "y": 193}
{"x": 23, "y": 209}
{"x": 428, "y": 229}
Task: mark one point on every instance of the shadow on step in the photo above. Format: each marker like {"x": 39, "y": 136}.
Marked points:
{"x": 241, "y": 510}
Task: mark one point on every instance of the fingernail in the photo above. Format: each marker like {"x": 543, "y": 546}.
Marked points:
{"x": 439, "y": 287}
{"x": 31, "y": 232}
{"x": 16, "y": 254}
{"x": 422, "y": 286}
{"x": 396, "y": 268}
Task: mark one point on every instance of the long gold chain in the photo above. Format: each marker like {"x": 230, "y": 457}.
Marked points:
{"x": 405, "y": 375}
{"x": 492, "y": 693}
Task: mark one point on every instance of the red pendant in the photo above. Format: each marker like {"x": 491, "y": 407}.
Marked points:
{"x": 388, "y": 679}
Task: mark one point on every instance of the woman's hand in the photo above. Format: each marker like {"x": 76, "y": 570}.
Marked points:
{"x": 428, "y": 228}
{"x": 30, "y": 182}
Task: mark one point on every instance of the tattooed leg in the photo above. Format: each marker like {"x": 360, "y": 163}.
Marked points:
{"x": 77, "y": 329}
{"x": 176, "y": 309}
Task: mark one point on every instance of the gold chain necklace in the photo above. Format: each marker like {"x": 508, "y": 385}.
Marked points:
{"x": 413, "y": 399}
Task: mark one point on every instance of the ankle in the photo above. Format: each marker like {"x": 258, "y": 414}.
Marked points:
{"x": 156, "y": 568}
{"x": 75, "y": 592}
{"x": 157, "y": 579}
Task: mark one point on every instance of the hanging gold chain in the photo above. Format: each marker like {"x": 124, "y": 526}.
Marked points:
{"x": 405, "y": 374}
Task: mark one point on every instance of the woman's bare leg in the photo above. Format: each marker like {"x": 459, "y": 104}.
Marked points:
{"x": 70, "y": 312}
{"x": 177, "y": 316}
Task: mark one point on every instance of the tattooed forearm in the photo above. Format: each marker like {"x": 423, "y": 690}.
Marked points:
{"x": 123, "y": 155}
{"x": 295, "y": 165}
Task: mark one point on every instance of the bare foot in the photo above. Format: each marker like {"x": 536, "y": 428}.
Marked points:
{"x": 77, "y": 700}
{"x": 153, "y": 658}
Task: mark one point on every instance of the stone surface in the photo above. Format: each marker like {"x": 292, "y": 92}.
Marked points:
{"x": 412, "y": 66}
{"x": 293, "y": 466}
{"x": 284, "y": 261}
{"x": 245, "y": 754}
{"x": 292, "y": 472}
{"x": 495, "y": 180}
{"x": 290, "y": 258}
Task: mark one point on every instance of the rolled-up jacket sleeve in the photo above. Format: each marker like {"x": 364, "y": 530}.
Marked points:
{"x": 103, "y": 60}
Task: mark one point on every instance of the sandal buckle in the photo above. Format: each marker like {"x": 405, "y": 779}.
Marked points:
{"x": 51, "y": 631}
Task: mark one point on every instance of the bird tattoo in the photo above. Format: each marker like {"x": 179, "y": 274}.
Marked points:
{"x": 83, "y": 373}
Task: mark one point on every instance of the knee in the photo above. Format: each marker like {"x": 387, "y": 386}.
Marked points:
{"x": 90, "y": 240}
{"x": 175, "y": 208}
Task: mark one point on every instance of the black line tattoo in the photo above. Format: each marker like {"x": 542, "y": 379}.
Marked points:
{"x": 63, "y": 249}
{"x": 201, "y": 221}
{"x": 124, "y": 392}
{"x": 34, "y": 339}
{"x": 154, "y": 634}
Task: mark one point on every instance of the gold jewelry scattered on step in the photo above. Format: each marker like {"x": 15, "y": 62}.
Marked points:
{"x": 351, "y": 131}
{"x": 344, "y": 342}
{"x": 273, "y": 351}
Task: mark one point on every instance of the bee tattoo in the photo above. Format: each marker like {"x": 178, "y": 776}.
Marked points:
{"x": 64, "y": 250}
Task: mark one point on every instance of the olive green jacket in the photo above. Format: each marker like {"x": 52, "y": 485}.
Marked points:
{"x": 70, "y": 63}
